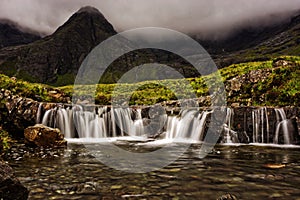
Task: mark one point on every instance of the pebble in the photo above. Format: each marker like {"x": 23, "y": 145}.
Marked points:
{"x": 37, "y": 190}
{"x": 274, "y": 166}
{"x": 114, "y": 187}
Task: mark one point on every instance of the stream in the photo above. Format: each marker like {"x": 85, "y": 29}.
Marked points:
{"x": 245, "y": 171}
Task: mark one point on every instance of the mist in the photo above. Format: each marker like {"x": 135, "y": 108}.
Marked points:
{"x": 208, "y": 19}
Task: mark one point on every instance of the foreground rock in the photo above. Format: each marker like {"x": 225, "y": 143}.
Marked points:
{"x": 43, "y": 136}
{"x": 16, "y": 113}
{"x": 10, "y": 186}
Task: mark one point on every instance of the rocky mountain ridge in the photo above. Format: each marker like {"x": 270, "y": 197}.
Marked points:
{"x": 56, "y": 58}
{"x": 59, "y": 54}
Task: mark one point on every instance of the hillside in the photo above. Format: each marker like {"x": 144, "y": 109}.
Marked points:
{"x": 11, "y": 34}
{"x": 282, "y": 39}
{"x": 55, "y": 59}
{"x": 271, "y": 83}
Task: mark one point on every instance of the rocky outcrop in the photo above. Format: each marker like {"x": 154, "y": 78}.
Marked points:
{"x": 44, "y": 136}
{"x": 10, "y": 186}
{"x": 16, "y": 113}
{"x": 235, "y": 87}
{"x": 250, "y": 124}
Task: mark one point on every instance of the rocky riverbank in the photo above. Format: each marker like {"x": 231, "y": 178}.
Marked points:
{"x": 10, "y": 186}
{"x": 17, "y": 113}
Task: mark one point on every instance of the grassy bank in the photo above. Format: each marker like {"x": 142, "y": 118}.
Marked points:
{"x": 280, "y": 88}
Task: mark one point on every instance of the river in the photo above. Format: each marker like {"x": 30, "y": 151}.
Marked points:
{"x": 245, "y": 171}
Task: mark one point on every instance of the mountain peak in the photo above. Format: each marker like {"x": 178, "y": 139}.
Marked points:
{"x": 57, "y": 57}
{"x": 89, "y": 9}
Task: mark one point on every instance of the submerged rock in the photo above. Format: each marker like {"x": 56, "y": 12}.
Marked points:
{"x": 227, "y": 197}
{"x": 10, "y": 186}
{"x": 43, "y": 136}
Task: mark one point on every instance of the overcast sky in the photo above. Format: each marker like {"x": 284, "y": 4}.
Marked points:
{"x": 208, "y": 17}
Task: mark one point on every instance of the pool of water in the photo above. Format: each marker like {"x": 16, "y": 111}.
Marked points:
{"x": 245, "y": 171}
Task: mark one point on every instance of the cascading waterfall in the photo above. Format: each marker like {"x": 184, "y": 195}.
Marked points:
{"x": 261, "y": 126}
{"x": 60, "y": 118}
{"x": 96, "y": 123}
{"x": 39, "y": 114}
{"x": 190, "y": 125}
{"x": 102, "y": 122}
{"x": 229, "y": 136}
{"x": 282, "y": 124}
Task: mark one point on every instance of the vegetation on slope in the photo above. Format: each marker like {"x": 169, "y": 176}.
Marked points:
{"x": 274, "y": 83}
{"x": 279, "y": 87}
{"x": 38, "y": 92}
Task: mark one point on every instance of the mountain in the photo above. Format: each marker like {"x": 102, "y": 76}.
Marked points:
{"x": 11, "y": 34}
{"x": 56, "y": 58}
{"x": 260, "y": 44}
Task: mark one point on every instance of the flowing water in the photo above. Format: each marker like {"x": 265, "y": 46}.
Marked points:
{"x": 246, "y": 171}
{"x": 259, "y": 170}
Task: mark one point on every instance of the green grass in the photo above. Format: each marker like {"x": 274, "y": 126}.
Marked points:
{"x": 280, "y": 88}
{"x": 39, "y": 92}
{"x": 65, "y": 79}
{"x": 152, "y": 92}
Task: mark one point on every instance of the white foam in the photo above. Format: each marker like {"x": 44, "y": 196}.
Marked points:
{"x": 108, "y": 139}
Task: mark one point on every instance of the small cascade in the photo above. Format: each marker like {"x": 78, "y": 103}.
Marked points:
{"x": 138, "y": 124}
{"x": 245, "y": 124}
{"x": 60, "y": 118}
{"x": 39, "y": 114}
{"x": 100, "y": 122}
{"x": 282, "y": 125}
{"x": 229, "y": 135}
{"x": 190, "y": 125}
{"x": 261, "y": 126}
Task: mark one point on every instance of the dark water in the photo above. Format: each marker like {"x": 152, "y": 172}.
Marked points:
{"x": 244, "y": 171}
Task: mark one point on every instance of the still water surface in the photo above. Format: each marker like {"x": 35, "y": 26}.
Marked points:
{"x": 246, "y": 171}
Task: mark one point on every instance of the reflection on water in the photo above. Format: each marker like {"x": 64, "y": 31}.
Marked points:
{"x": 248, "y": 172}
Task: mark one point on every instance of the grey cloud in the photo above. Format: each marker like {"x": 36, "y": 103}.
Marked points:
{"x": 208, "y": 18}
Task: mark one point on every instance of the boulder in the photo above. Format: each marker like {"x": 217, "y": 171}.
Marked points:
{"x": 43, "y": 136}
{"x": 10, "y": 186}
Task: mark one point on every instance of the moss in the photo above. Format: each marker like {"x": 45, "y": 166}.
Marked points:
{"x": 281, "y": 87}
{"x": 25, "y": 89}
{"x": 5, "y": 140}
{"x": 26, "y": 76}
{"x": 65, "y": 79}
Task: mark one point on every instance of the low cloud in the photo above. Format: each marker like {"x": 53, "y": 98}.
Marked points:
{"x": 210, "y": 19}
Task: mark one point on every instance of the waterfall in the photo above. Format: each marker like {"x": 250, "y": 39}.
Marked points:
{"x": 60, "y": 118}
{"x": 95, "y": 123}
{"x": 102, "y": 122}
{"x": 39, "y": 114}
{"x": 282, "y": 124}
{"x": 227, "y": 126}
{"x": 190, "y": 125}
{"x": 138, "y": 124}
{"x": 261, "y": 126}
